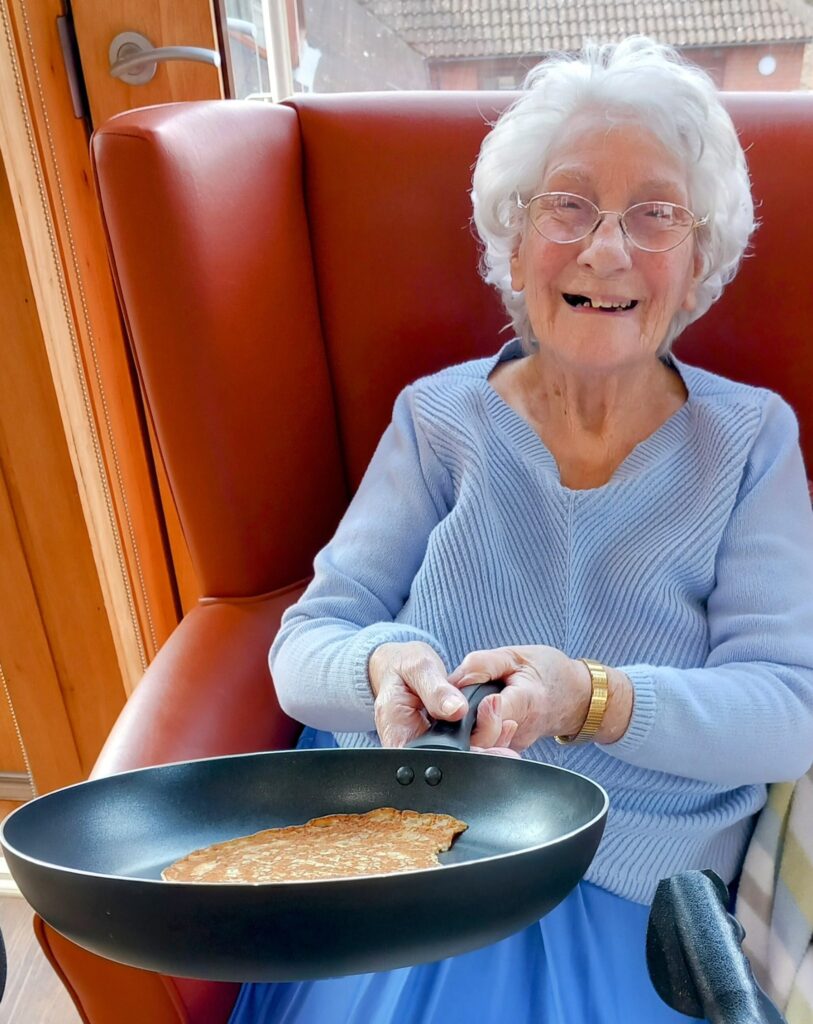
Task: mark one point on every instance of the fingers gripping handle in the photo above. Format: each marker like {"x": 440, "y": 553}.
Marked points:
{"x": 457, "y": 735}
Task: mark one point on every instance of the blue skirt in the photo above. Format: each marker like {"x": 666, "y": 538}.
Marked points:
{"x": 584, "y": 963}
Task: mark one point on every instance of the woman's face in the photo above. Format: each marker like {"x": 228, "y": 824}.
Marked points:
{"x": 614, "y": 167}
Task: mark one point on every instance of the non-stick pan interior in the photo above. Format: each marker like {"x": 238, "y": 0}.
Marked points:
{"x": 136, "y": 823}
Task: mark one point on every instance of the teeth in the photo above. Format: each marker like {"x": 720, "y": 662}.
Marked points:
{"x": 610, "y": 305}
{"x": 585, "y": 301}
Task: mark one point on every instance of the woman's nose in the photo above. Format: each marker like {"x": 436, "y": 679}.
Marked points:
{"x": 607, "y": 249}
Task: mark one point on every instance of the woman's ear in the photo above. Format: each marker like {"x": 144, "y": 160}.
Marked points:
{"x": 517, "y": 268}
{"x": 690, "y": 298}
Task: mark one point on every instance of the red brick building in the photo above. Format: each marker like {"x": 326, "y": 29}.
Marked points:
{"x": 476, "y": 44}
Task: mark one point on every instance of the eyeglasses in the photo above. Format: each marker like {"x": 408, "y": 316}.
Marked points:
{"x": 562, "y": 217}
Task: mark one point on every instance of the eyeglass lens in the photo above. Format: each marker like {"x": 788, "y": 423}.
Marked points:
{"x": 562, "y": 217}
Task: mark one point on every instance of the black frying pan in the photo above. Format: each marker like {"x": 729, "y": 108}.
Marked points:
{"x": 88, "y": 858}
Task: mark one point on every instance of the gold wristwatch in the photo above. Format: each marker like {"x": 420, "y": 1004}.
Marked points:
{"x": 598, "y": 705}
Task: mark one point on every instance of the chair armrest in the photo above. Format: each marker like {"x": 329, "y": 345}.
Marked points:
{"x": 694, "y": 953}
{"x": 208, "y": 692}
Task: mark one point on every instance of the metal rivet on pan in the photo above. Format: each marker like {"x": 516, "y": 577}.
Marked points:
{"x": 433, "y": 776}
{"x": 405, "y": 775}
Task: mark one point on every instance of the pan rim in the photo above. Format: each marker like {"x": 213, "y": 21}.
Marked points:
{"x": 289, "y": 885}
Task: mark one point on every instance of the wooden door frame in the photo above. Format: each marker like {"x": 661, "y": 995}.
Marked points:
{"x": 44, "y": 150}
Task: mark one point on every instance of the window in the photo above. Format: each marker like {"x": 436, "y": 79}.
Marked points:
{"x": 341, "y": 45}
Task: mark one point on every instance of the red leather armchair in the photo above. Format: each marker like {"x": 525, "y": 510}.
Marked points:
{"x": 284, "y": 271}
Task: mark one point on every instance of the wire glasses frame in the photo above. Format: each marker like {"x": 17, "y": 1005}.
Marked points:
{"x": 564, "y": 217}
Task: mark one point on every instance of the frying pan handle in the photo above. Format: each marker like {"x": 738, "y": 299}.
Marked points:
{"x": 457, "y": 735}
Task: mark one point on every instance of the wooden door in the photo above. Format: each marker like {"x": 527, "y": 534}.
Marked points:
{"x": 190, "y": 24}
{"x": 96, "y": 574}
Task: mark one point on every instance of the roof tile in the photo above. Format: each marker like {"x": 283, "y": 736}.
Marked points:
{"x": 466, "y": 28}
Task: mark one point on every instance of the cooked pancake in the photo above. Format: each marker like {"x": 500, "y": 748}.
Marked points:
{"x": 336, "y": 846}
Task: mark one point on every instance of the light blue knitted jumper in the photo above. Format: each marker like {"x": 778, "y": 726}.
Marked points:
{"x": 691, "y": 570}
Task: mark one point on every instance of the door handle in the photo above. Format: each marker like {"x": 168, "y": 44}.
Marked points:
{"x": 134, "y": 59}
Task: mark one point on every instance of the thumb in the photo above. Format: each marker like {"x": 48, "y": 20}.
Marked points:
{"x": 397, "y": 720}
{"x": 489, "y": 726}
{"x": 427, "y": 679}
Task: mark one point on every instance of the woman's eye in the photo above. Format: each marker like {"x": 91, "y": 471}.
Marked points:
{"x": 571, "y": 205}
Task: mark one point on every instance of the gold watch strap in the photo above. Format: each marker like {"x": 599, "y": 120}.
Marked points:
{"x": 598, "y": 705}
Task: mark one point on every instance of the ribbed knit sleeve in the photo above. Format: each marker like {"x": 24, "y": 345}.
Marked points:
{"x": 746, "y": 716}
{"x": 362, "y": 580}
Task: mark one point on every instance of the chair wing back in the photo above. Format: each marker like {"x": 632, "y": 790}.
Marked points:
{"x": 203, "y": 207}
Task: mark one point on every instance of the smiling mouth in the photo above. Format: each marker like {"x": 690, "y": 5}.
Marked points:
{"x": 585, "y": 302}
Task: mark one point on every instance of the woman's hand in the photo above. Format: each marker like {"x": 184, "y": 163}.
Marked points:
{"x": 410, "y": 685}
{"x": 546, "y": 694}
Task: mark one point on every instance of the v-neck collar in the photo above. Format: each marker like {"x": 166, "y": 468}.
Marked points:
{"x": 524, "y": 438}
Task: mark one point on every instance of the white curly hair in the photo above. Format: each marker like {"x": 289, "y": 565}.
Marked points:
{"x": 636, "y": 80}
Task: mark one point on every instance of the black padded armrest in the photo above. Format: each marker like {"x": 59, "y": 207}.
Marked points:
{"x": 695, "y": 957}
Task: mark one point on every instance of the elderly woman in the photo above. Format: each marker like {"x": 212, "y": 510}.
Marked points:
{"x": 580, "y": 505}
